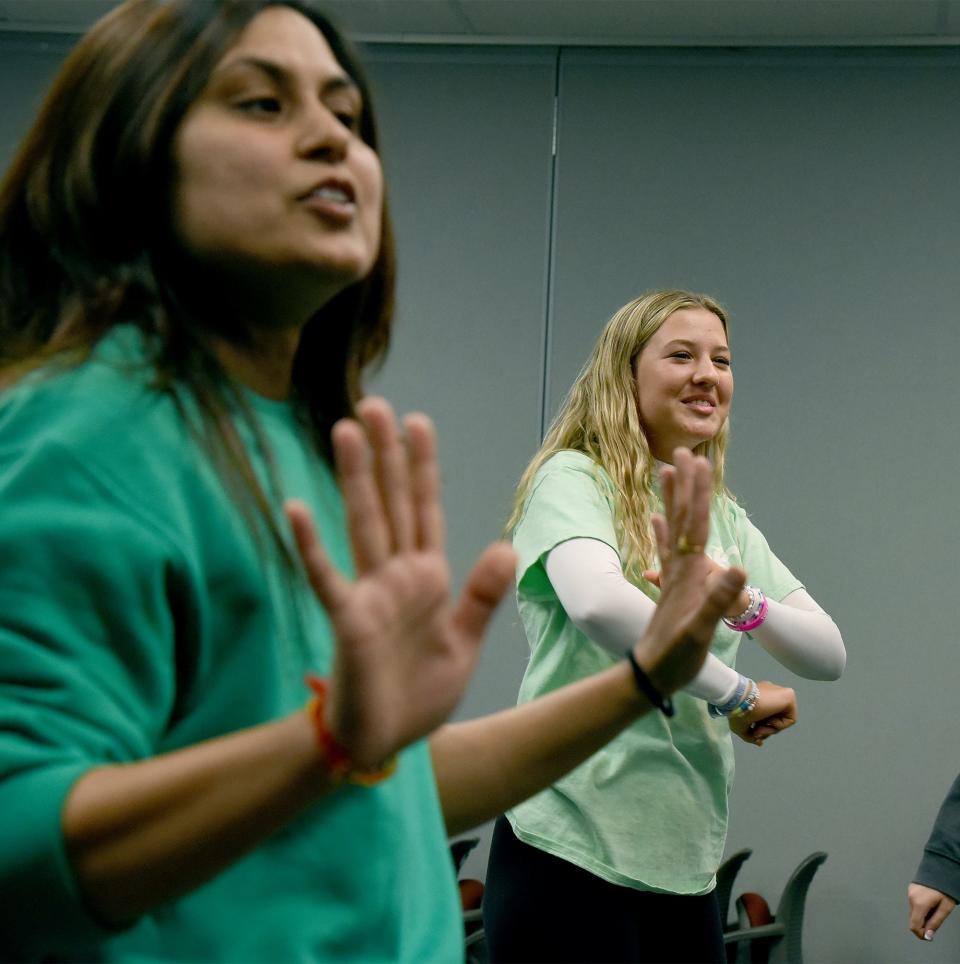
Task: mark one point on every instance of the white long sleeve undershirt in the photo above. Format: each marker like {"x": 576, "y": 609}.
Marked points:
{"x": 589, "y": 582}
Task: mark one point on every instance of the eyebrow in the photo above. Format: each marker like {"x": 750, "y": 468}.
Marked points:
{"x": 686, "y": 343}
{"x": 281, "y": 75}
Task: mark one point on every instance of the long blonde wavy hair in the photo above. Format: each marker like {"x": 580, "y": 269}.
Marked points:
{"x": 599, "y": 417}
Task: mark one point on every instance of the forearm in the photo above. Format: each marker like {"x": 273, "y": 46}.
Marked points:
{"x": 802, "y": 637}
{"x": 940, "y": 866}
{"x": 485, "y": 766}
{"x": 600, "y": 601}
{"x": 143, "y": 833}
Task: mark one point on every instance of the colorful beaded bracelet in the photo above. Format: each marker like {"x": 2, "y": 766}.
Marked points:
{"x": 749, "y": 702}
{"x": 335, "y": 758}
{"x": 739, "y": 694}
{"x": 753, "y": 616}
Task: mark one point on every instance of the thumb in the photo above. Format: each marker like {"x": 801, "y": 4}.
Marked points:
{"x": 489, "y": 579}
{"x": 718, "y": 599}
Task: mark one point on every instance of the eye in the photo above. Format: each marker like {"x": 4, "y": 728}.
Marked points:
{"x": 262, "y": 106}
{"x": 725, "y": 362}
{"x": 346, "y": 109}
{"x": 683, "y": 355}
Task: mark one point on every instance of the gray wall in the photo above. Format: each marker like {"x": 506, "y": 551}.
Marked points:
{"x": 815, "y": 193}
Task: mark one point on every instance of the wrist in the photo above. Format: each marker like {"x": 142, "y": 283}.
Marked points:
{"x": 753, "y": 616}
{"x": 334, "y": 758}
{"x": 743, "y": 700}
{"x": 740, "y": 605}
{"x": 648, "y": 688}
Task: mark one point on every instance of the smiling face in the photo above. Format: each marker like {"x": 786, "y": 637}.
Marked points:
{"x": 275, "y": 186}
{"x": 683, "y": 381}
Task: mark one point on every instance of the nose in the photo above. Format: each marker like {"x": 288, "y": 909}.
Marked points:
{"x": 706, "y": 372}
{"x": 322, "y": 135}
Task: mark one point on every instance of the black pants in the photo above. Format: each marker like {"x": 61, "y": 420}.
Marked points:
{"x": 540, "y": 908}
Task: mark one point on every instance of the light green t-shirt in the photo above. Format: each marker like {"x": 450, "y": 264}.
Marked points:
{"x": 648, "y": 811}
{"x": 137, "y": 617}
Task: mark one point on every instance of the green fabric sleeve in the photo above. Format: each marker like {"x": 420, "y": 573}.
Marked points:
{"x": 763, "y": 567}
{"x": 89, "y": 597}
{"x": 566, "y": 502}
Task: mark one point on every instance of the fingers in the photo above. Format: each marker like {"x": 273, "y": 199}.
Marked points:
{"x": 652, "y": 576}
{"x": 366, "y": 520}
{"x": 940, "y": 913}
{"x": 715, "y": 602}
{"x": 391, "y": 470}
{"x": 700, "y": 491}
{"x": 489, "y": 579}
{"x": 922, "y": 901}
{"x": 390, "y": 483}
{"x": 661, "y": 533}
{"x": 762, "y": 730}
{"x": 686, "y": 488}
{"x": 679, "y": 516}
{"x": 324, "y": 579}
{"x": 425, "y": 482}
{"x": 668, "y": 478}
{"x": 929, "y": 908}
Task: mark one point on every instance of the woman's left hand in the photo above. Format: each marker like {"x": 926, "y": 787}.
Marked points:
{"x": 776, "y": 711}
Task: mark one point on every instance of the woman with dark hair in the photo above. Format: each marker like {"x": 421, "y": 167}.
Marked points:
{"x": 195, "y": 268}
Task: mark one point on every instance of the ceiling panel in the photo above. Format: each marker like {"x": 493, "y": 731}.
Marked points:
{"x": 622, "y": 22}
{"x": 399, "y": 16}
{"x": 648, "y": 21}
{"x": 74, "y": 15}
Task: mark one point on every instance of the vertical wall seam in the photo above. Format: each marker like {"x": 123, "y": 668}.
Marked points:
{"x": 551, "y": 251}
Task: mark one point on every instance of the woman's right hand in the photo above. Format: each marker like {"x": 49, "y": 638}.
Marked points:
{"x": 776, "y": 710}
{"x": 676, "y": 642}
{"x": 929, "y": 908}
{"x": 405, "y": 649}
{"x": 714, "y": 573}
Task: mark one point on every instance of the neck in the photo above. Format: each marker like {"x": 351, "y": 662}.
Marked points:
{"x": 263, "y": 362}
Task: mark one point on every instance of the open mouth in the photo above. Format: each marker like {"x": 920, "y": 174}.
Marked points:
{"x": 331, "y": 192}
{"x": 700, "y": 404}
{"x": 333, "y": 200}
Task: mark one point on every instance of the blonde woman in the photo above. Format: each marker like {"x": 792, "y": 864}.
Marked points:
{"x": 617, "y": 860}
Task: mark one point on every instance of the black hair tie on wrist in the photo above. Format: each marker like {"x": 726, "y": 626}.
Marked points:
{"x": 650, "y": 691}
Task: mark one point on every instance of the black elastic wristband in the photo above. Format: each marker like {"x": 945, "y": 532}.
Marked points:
{"x": 650, "y": 691}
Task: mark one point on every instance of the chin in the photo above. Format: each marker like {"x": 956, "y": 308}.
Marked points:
{"x": 336, "y": 273}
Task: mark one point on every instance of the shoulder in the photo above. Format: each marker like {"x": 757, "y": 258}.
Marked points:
{"x": 570, "y": 464}
{"x": 570, "y": 477}
{"x": 100, "y": 420}
{"x": 90, "y": 406}
{"x": 731, "y": 510}
{"x": 567, "y": 460}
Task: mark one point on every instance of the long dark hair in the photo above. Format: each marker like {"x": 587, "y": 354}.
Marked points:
{"x": 86, "y": 238}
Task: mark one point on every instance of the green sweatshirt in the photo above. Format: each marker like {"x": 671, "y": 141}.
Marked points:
{"x": 137, "y": 616}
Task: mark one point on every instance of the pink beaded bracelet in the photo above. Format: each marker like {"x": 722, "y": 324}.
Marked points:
{"x": 753, "y": 615}
{"x": 755, "y": 622}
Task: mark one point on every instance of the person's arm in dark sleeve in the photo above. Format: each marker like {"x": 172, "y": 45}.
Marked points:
{"x": 935, "y": 889}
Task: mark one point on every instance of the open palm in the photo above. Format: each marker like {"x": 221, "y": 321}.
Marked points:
{"x": 405, "y": 650}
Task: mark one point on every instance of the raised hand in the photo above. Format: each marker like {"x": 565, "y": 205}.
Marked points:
{"x": 714, "y": 571}
{"x": 404, "y": 649}
{"x": 695, "y": 591}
